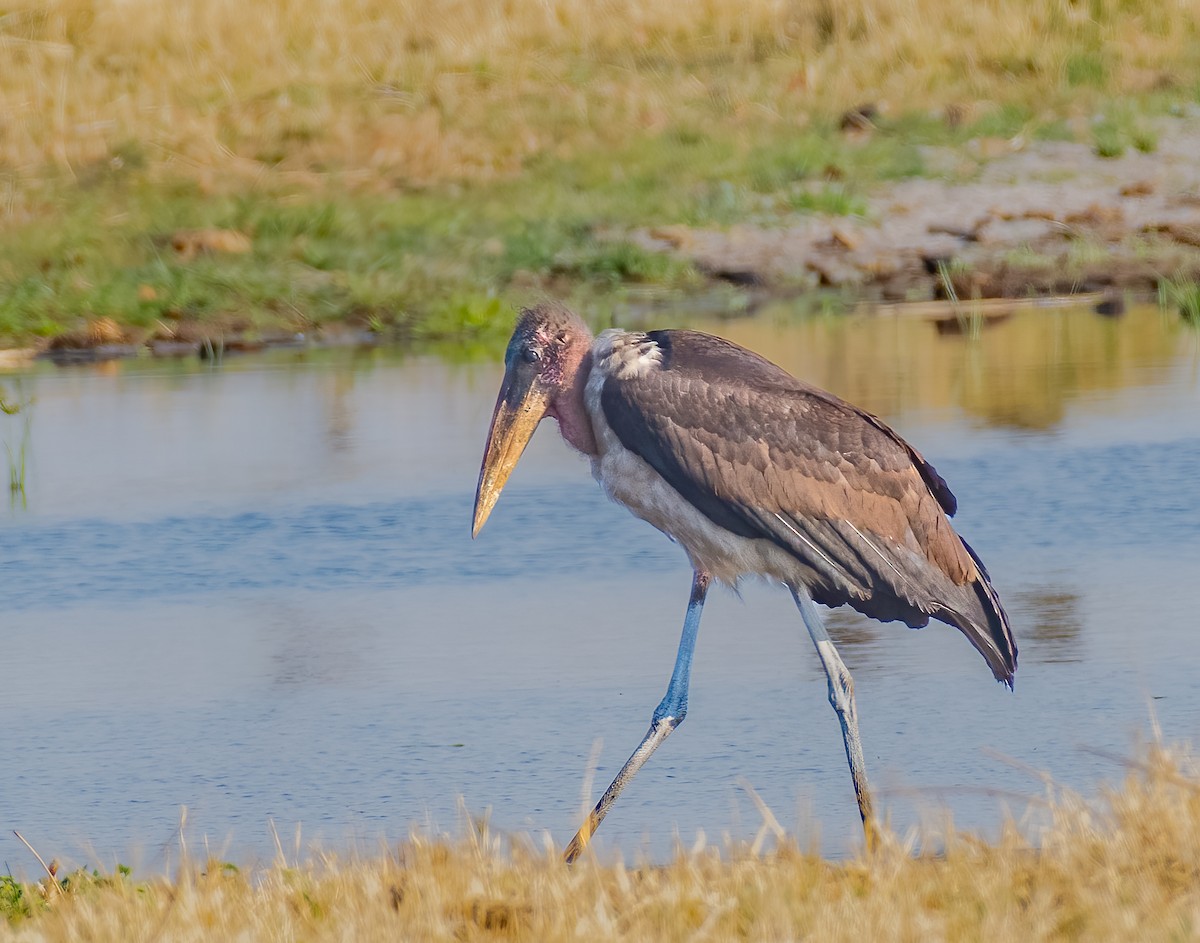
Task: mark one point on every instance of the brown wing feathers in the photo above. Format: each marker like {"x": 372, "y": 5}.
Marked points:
{"x": 765, "y": 455}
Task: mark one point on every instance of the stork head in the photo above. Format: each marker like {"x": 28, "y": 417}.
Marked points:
{"x": 541, "y": 378}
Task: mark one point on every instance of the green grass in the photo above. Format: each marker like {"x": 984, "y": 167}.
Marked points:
{"x": 16, "y": 410}
{"x": 1122, "y": 126}
{"x": 451, "y": 260}
{"x": 1086, "y": 68}
{"x": 425, "y": 264}
{"x": 834, "y": 199}
{"x": 434, "y": 262}
{"x": 15, "y": 903}
{"x": 1182, "y": 296}
{"x": 21, "y": 901}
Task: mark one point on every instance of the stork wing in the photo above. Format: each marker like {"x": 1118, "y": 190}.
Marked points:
{"x": 767, "y": 456}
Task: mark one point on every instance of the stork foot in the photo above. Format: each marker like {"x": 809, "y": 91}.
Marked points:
{"x": 667, "y": 716}
{"x": 658, "y": 732}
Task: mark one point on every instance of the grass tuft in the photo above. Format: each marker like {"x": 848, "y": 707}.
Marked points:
{"x": 16, "y": 453}
{"x": 1086, "y": 68}
{"x": 833, "y": 199}
{"x": 1122, "y": 127}
{"x": 1183, "y": 296}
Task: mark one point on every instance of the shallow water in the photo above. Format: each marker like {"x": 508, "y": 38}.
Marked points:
{"x": 250, "y": 590}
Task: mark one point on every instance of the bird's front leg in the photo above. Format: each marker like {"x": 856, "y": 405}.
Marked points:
{"x": 841, "y": 697}
{"x": 667, "y": 716}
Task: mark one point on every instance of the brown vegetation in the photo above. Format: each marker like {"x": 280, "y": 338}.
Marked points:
{"x": 1122, "y": 866}
{"x": 405, "y": 91}
{"x": 417, "y": 170}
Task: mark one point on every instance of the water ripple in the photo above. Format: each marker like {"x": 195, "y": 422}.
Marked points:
{"x": 1042, "y": 498}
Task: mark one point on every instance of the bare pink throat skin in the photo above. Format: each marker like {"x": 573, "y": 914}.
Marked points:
{"x": 568, "y": 405}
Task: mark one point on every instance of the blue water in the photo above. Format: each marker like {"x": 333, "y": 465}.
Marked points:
{"x": 251, "y": 592}
{"x": 1094, "y": 501}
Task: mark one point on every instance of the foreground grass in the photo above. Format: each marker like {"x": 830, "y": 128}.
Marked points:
{"x": 1121, "y": 866}
{"x": 414, "y": 169}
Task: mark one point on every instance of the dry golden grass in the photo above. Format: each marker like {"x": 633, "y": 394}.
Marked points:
{"x": 409, "y": 91}
{"x": 1122, "y": 866}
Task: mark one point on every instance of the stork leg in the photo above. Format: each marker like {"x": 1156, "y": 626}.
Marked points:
{"x": 667, "y": 716}
{"x": 841, "y": 696}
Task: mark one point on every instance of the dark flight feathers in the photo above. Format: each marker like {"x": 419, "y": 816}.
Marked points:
{"x": 765, "y": 455}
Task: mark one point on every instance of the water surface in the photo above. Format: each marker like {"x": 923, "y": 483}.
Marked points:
{"x": 250, "y": 590}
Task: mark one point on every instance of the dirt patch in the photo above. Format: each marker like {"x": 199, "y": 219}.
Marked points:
{"x": 94, "y": 332}
{"x": 92, "y": 339}
{"x": 1027, "y": 219}
{"x": 190, "y": 243}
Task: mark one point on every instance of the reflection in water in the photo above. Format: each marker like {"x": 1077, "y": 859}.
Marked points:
{"x": 340, "y": 417}
{"x": 251, "y": 590}
{"x": 16, "y": 423}
{"x": 1021, "y": 373}
{"x": 968, "y": 324}
{"x": 307, "y": 651}
{"x": 1052, "y": 622}
{"x": 853, "y": 631}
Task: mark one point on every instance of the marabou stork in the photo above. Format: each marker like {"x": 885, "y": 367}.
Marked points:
{"x": 751, "y": 471}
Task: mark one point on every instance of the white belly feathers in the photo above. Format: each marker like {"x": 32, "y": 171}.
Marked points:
{"x": 630, "y": 481}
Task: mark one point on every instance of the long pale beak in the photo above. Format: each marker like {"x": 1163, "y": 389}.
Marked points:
{"x": 522, "y": 403}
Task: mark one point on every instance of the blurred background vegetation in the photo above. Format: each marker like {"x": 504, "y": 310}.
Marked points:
{"x": 414, "y": 168}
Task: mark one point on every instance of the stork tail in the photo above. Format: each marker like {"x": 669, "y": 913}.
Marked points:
{"x": 986, "y": 625}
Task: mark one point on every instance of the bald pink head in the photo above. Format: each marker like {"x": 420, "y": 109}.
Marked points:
{"x": 555, "y": 342}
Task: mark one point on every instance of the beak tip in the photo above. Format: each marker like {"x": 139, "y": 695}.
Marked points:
{"x": 513, "y": 424}
{"x": 478, "y": 520}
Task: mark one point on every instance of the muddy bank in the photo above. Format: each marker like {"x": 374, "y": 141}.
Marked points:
{"x": 103, "y": 339}
{"x": 1000, "y": 219}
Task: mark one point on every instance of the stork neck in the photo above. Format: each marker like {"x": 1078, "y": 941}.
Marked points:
{"x": 568, "y": 407}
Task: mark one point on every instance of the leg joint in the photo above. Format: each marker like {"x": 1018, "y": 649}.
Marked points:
{"x": 839, "y": 702}
{"x": 841, "y": 695}
{"x": 669, "y": 713}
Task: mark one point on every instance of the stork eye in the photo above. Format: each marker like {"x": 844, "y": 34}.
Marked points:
{"x": 531, "y": 354}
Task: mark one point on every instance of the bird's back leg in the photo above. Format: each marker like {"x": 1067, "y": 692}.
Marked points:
{"x": 667, "y": 716}
{"x": 841, "y": 696}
